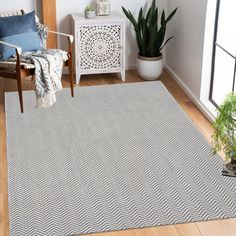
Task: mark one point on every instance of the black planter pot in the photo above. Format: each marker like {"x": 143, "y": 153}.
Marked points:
{"x": 233, "y": 161}
{"x": 229, "y": 168}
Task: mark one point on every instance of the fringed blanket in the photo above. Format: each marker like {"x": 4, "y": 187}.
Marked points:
{"x": 48, "y": 71}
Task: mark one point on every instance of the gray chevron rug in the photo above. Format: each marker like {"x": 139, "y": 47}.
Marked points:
{"x": 114, "y": 157}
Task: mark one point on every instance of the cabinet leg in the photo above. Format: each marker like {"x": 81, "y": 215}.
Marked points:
{"x": 122, "y": 76}
{"x": 78, "y": 76}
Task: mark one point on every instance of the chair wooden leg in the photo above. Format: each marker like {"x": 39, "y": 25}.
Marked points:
{"x": 19, "y": 87}
{"x": 32, "y": 78}
{"x": 71, "y": 79}
{"x": 70, "y": 66}
{"x": 18, "y": 78}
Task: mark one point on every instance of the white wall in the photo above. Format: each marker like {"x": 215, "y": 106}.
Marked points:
{"x": 27, "y": 5}
{"x": 161, "y": 4}
{"x": 184, "y": 54}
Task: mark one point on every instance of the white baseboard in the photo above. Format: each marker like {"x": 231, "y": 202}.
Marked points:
{"x": 191, "y": 95}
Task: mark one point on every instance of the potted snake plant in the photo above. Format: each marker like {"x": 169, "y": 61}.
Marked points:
{"x": 224, "y": 136}
{"x": 150, "y": 39}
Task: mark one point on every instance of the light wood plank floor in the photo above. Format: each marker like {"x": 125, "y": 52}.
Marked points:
{"x": 210, "y": 228}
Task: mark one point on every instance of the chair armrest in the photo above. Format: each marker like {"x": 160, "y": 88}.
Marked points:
{"x": 18, "y": 49}
{"x": 71, "y": 37}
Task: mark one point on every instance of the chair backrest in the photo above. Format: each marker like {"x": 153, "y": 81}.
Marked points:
{"x": 15, "y": 13}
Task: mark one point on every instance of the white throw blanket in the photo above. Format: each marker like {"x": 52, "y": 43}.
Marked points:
{"x": 48, "y": 71}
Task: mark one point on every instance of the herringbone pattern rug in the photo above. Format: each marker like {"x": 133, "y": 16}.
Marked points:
{"x": 114, "y": 157}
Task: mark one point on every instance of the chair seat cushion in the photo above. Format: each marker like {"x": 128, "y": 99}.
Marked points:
{"x": 11, "y": 65}
{"x": 20, "y": 31}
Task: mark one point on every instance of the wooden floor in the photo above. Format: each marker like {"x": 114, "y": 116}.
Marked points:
{"x": 210, "y": 228}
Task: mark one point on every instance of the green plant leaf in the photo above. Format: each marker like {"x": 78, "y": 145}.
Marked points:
{"x": 130, "y": 17}
{"x": 145, "y": 37}
{"x": 152, "y": 10}
{"x": 171, "y": 15}
{"x": 223, "y": 137}
{"x": 163, "y": 18}
{"x": 166, "y": 42}
{"x": 140, "y": 15}
{"x": 161, "y": 35}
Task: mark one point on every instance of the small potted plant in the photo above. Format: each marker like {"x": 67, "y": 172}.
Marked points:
{"x": 150, "y": 39}
{"x": 89, "y": 12}
{"x": 224, "y": 137}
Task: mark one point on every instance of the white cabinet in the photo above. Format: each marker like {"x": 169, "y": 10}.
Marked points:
{"x": 99, "y": 45}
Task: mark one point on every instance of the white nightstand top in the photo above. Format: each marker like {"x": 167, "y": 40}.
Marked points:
{"x": 109, "y": 18}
